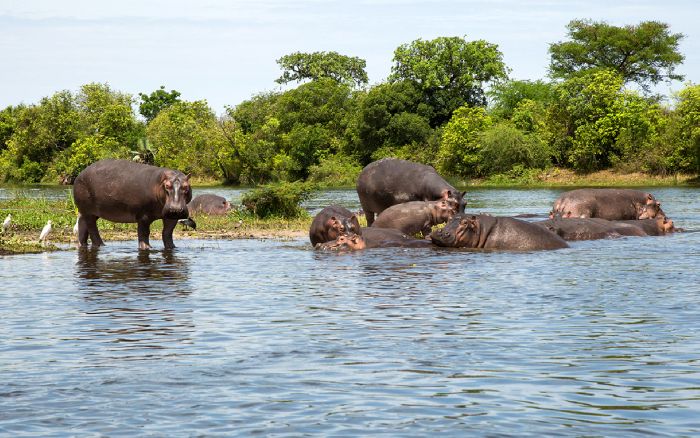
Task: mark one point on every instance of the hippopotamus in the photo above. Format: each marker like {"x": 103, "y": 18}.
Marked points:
{"x": 611, "y": 204}
{"x": 657, "y": 226}
{"x": 416, "y": 216}
{"x": 208, "y": 203}
{"x": 588, "y": 228}
{"x": 373, "y": 237}
{"x": 391, "y": 181}
{"x": 332, "y": 222}
{"x": 495, "y": 232}
{"x": 126, "y": 191}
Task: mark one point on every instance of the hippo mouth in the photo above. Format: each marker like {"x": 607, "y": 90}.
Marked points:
{"x": 440, "y": 238}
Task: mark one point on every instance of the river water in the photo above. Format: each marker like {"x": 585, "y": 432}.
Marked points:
{"x": 266, "y": 337}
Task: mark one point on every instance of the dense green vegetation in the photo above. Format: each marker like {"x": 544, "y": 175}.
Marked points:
{"x": 448, "y": 102}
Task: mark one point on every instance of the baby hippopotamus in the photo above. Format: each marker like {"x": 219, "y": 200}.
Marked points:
{"x": 373, "y": 237}
{"x": 209, "y": 204}
{"x": 493, "y": 232}
{"x": 332, "y": 222}
{"x": 588, "y": 228}
{"x": 611, "y": 204}
{"x": 416, "y": 216}
{"x": 658, "y": 226}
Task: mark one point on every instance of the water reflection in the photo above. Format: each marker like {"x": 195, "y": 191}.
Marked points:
{"x": 135, "y": 302}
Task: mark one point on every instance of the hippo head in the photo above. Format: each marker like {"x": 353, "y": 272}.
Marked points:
{"x": 665, "y": 224}
{"x": 455, "y": 198}
{"x": 650, "y": 210}
{"x": 444, "y": 210}
{"x": 460, "y": 231}
{"x": 178, "y": 193}
{"x": 345, "y": 242}
{"x": 336, "y": 227}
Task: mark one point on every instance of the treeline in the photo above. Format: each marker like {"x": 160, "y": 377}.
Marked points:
{"x": 448, "y": 102}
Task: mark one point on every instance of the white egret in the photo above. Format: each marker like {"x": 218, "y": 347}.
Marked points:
{"x": 6, "y": 223}
{"x": 44, "y": 236}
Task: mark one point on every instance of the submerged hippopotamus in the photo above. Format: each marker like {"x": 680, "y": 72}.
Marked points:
{"x": 373, "y": 237}
{"x": 657, "y": 226}
{"x": 391, "y": 181}
{"x": 611, "y": 204}
{"x": 208, "y": 203}
{"x": 588, "y": 228}
{"x": 332, "y": 222}
{"x": 128, "y": 192}
{"x": 416, "y": 216}
{"x": 493, "y": 232}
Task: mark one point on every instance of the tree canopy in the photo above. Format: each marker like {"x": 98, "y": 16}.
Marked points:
{"x": 449, "y": 71}
{"x": 646, "y": 53}
{"x": 152, "y": 104}
{"x": 300, "y": 66}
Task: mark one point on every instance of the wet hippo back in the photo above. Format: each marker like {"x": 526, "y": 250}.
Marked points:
{"x": 415, "y": 216}
{"x": 209, "y": 204}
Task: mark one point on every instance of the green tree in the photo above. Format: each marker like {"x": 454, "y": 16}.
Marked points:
{"x": 460, "y": 145}
{"x": 507, "y": 95}
{"x": 449, "y": 72}
{"x": 109, "y": 113}
{"x": 646, "y": 53}
{"x": 688, "y": 111}
{"x": 187, "y": 136}
{"x": 388, "y": 116}
{"x": 503, "y": 147}
{"x": 152, "y": 104}
{"x": 300, "y": 66}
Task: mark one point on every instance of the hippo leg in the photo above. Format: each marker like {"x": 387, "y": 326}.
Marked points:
{"x": 144, "y": 230}
{"x": 369, "y": 215}
{"x": 168, "y": 227}
{"x": 87, "y": 226}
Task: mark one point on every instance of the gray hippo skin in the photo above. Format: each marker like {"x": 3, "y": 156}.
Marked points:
{"x": 497, "y": 233}
{"x": 373, "y": 237}
{"x": 391, "y": 181}
{"x": 128, "y": 192}
{"x": 416, "y": 216}
{"x": 210, "y": 204}
{"x": 332, "y": 222}
{"x": 588, "y": 228}
{"x": 611, "y": 204}
{"x": 658, "y": 226}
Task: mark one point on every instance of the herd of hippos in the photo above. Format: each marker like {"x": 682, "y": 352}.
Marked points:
{"x": 407, "y": 198}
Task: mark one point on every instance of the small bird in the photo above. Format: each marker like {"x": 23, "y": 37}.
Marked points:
{"x": 6, "y": 223}
{"x": 189, "y": 222}
{"x": 44, "y": 236}
{"x": 238, "y": 224}
{"x": 75, "y": 227}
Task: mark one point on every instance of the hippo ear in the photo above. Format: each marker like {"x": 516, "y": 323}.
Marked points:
{"x": 187, "y": 177}
{"x": 649, "y": 196}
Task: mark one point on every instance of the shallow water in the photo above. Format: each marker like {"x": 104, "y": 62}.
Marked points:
{"x": 269, "y": 337}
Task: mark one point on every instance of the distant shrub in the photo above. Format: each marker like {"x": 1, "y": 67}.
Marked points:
{"x": 335, "y": 171}
{"x": 280, "y": 199}
{"x": 504, "y": 147}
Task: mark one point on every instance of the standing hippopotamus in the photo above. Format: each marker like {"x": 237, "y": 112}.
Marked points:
{"x": 611, "y": 204}
{"x": 391, "y": 181}
{"x": 332, "y": 222}
{"x": 208, "y": 203}
{"x": 374, "y": 237}
{"x": 128, "y": 192}
{"x": 492, "y": 232}
{"x": 588, "y": 228}
{"x": 416, "y": 216}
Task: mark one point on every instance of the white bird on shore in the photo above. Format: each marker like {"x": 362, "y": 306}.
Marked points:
{"x": 6, "y": 223}
{"x": 75, "y": 227}
{"x": 44, "y": 236}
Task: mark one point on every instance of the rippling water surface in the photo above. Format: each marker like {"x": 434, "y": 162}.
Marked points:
{"x": 269, "y": 337}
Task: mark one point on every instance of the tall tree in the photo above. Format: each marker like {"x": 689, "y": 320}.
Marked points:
{"x": 646, "y": 53}
{"x": 301, "y": 66}
{"x": 152, "y": 104}
{"x": 449, "y": 71}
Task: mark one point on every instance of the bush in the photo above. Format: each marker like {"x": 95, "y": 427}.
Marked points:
{"x": 280, "y": 200}
{"x": 504, "y": 147}
{"x": 335, "y": 171}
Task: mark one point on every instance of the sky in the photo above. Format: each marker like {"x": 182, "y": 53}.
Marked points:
{"x": 225, "y": 51}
